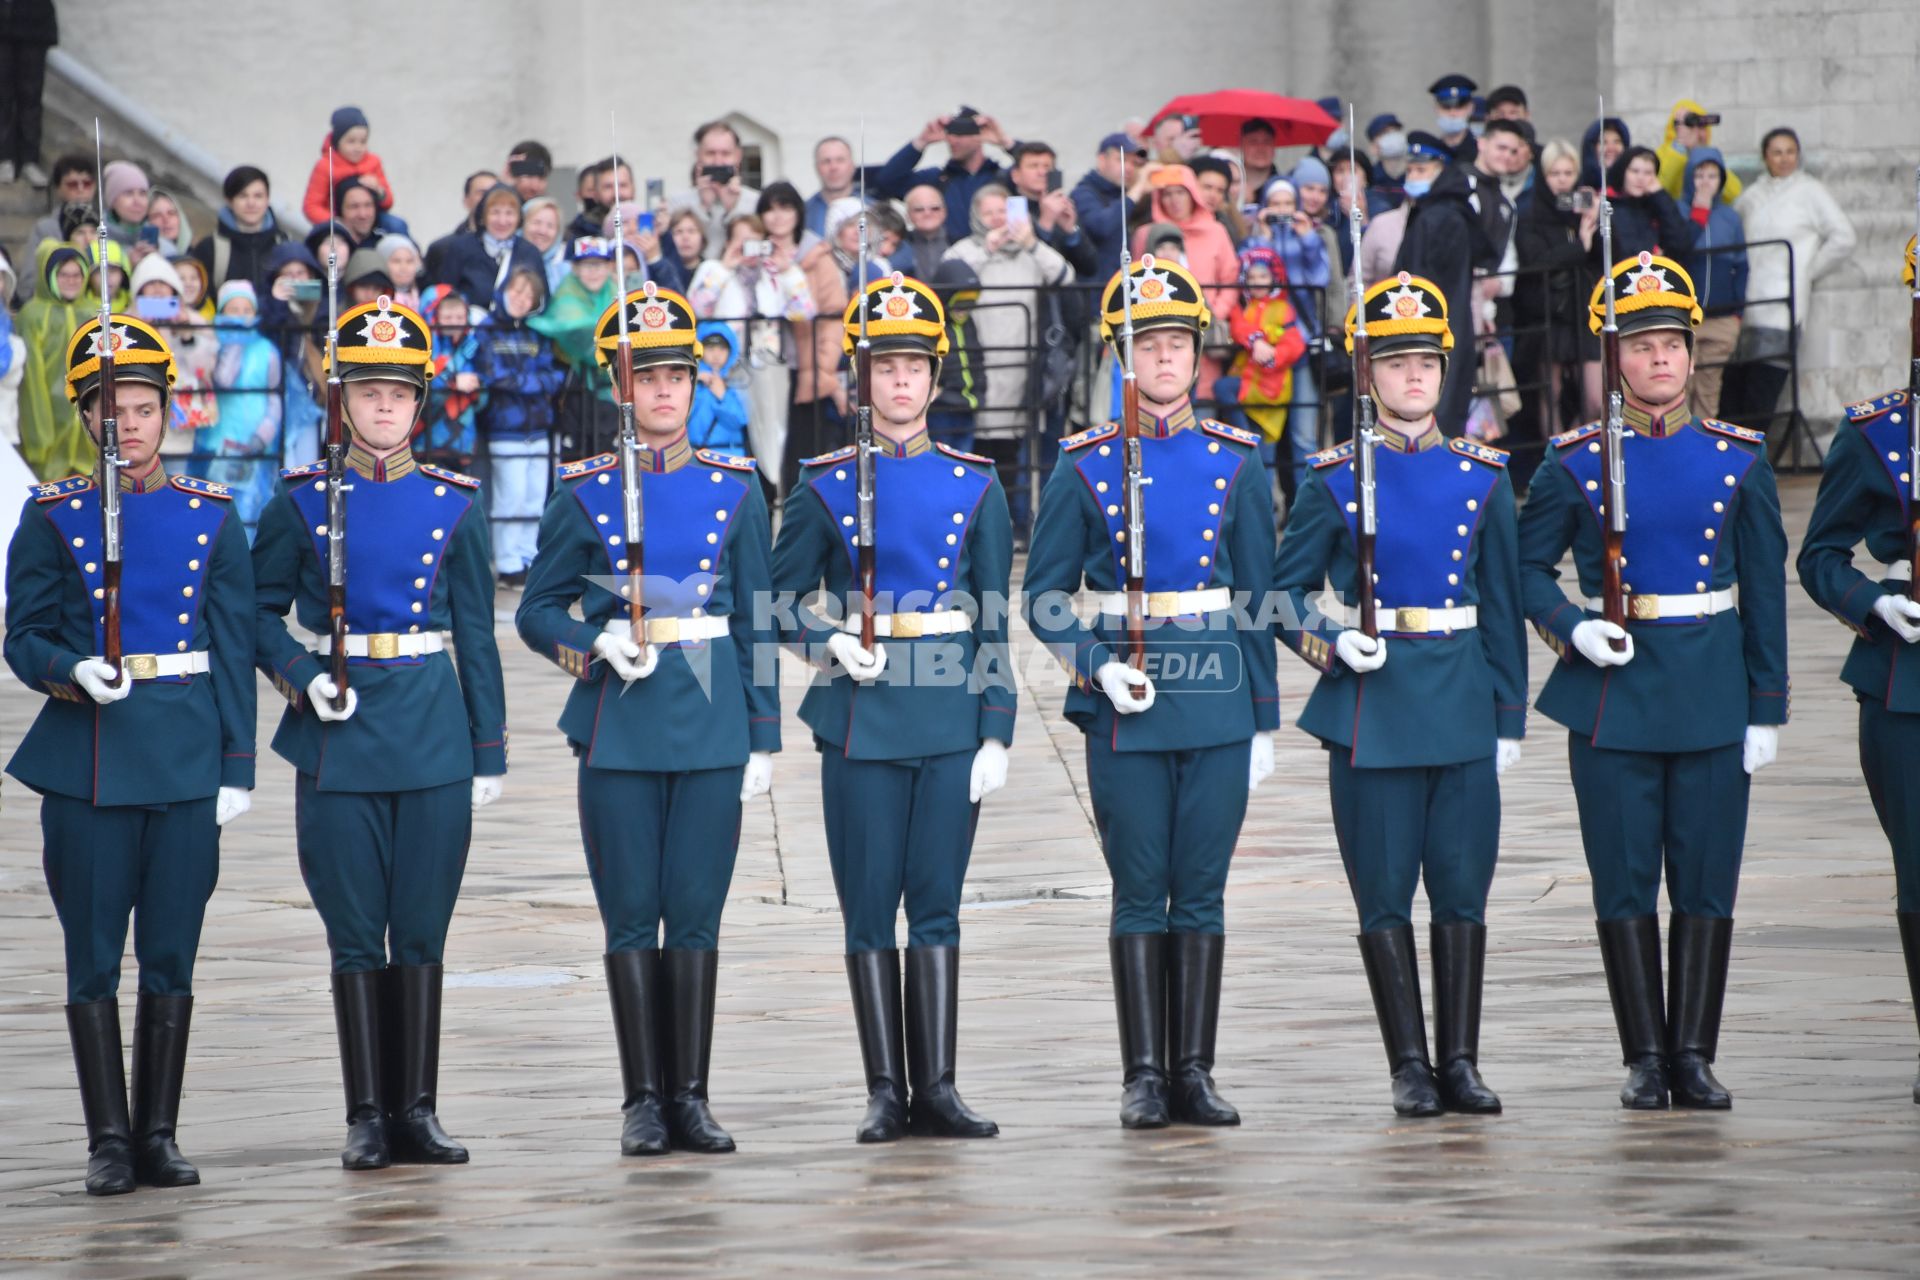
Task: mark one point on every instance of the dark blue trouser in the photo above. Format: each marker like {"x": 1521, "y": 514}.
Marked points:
{"x": 1890, "y": 760}
{"x": 157, "y": 864}
{"x": 1394, "y": 825}
{"x": 384, "y": 868}
{"x": 1641, "y": 811}
{"x": 898, "y": 829}
{"x": 660, "y": 849}
{"x": 1168, "y": 821}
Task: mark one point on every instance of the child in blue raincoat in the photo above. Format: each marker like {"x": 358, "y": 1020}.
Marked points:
{"x": 719, "y": 416}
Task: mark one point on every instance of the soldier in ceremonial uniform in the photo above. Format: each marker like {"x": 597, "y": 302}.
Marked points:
{"x": 913, "y": 733}
{"x": 387, "y": 785}
{"x": 1866, "y": 496}
{"x": 1420, "y": 720}
{"x": 1664, "y": 734}
{"x": 671, "y": 736}
{"x": 1169, "y": 770}
{"x": 137, "y": 768}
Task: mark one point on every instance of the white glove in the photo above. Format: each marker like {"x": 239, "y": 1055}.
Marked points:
{"x": 861, "y": 665}
{"x": 758, "y": 778}
{"x": 615, "y": 646}
{"x": 230, "y": 804}
{"x": 92, "y": 675}
{"x": 1361, "y": 651}
{"x": 1762, "y": 745}
{"x": 320, "y": 691}
{"x": 1118, "y": 681}
{"x": 1900, "y": 613}
{"x": 1591, "y": 637}
{"x": 1506, "y": 754}
{"x": 1260, "y": 762}
{"x": 989, "y": 770}
{"x": 486, "y": 791}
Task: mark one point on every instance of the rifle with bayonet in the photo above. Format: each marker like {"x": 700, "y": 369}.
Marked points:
{"x": 864, "y": 446}
{"x": 336, "y": 453}
{"x": 1613, "y": 439}
{"x": 1366, "y": 431}
{"x": 1134, "y": 479}
{"x": 633, "y": 514}
{"x": 110, "y": 459}
{"x": 1913, "y": 425}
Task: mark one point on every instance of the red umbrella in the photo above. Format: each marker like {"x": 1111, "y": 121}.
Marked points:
{"x": 1296, "y": 121}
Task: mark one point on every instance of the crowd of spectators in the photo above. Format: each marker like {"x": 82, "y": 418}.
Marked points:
{"x": 1506, "y": 223}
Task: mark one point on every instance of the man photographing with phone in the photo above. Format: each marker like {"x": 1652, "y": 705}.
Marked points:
{"x": 1689, "y": 125}
{"x": 968, "y": 166}
{"x": 717, "y": 192}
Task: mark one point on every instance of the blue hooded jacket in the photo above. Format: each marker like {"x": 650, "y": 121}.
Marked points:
{"x": 1720, "y": 277}
{"x": 716, "y": 422}
{"x": 519, "y": 373}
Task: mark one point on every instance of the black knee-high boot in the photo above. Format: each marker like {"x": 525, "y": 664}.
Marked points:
{"x": 1910, "y": 944}
{"x": 1699, "y": 948}
{"x": 936, "y": 1109}
{"x": 1194, "y": 963}
{"x": 692, "y": 978}
{"x": 633, "y": 985}
{"x": 94, "y": 1028}
{"x": 1393, "y": 975}
{"x": 874, "y": 979}
{"x": 414, "y": 1055}
{"x": 357, "y": 1023}
{"x": 1139, "y": 963}
{"x": 160, "y": 1026}
{"x": 1630, "y": 951}
{"x": 1459, "y": 966}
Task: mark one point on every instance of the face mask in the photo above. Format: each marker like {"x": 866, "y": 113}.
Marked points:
{"x": 1452, "y": 125}
{"x": 1417, "y": 187}
{"x": 1393, "y": 146}
{"x": 1479, "y": 129}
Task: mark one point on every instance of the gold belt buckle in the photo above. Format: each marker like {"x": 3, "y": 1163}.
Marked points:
{"x": 908, "y": 626}
{"x": 663, "y": 631}
{"x": 1643, "y": 608}
{"x": 1411, "y": 618}
{"x": 1163, "y": 604}
{"x": 383, "y": 645}
{"x": 140, "y": 666}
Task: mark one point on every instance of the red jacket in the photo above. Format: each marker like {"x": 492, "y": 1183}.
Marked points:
{"x": 318, "y": 205}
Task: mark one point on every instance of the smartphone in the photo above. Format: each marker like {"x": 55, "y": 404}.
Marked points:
{"x": 1017, "y": 210}
{"x": 656, "y": 193}
{"x": 718, "y": 174}
{"x": 308, "y": 290}
{"x": 756, "y": 249}
{"x": 1053, "y": 179}
{"x": 150, "y": 234}
{"x": 643, "y": 221}
{"x": 156, "y": 309}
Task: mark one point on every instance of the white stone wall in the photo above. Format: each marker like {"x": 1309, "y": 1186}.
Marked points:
{"x": 1842, "y": 74}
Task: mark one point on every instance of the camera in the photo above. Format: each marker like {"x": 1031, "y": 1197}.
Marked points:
{"x": 756, "y": 249}
{"x": 1694, "y": 120}
{"x": 1576, "y": 201}
{"x": 718, "y": 174}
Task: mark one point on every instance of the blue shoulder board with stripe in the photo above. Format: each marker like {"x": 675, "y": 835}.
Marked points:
{"x": 1226, "y": 432}
{"x": 838, "y": 455}
{"x": 1576, "y": 435}
{"x": 60, "y": 488}
{"x": 587, "y": 466}
{"x": 1329, "y": 457}
{"x": 1479, "y": 452}
{"x": 731, "y": 461}
{"x": 311, "y": 469}
{"x": 1092, "y": 434}
{"x": 451, "y": 477}
{"x": 1738, "y": 433}
{"x": 1875, "y": 407}
{"x": 962, "y": 454}
{"x": 203, "y": 488}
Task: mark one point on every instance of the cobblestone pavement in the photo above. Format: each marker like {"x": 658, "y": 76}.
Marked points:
{"x": 1816, "y": 1168}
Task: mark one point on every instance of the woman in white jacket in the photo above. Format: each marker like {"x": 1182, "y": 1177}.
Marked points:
{"x": 1792, "y": 205}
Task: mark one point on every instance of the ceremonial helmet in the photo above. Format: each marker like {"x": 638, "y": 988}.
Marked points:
{"x": 140, "y": 354}
{"x": 387, "y": 341}
{"x": 904, "y": 317}
{"x": 1404, "y": 313}
{"x": 660, "y": 327}
{"x": 1906, "y": 272}
{"x": 1649, "y": 292}
{"x": 1165, "y": 296}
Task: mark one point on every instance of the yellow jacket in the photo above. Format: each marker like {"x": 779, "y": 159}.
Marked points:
{"x": 1673, "y": 161}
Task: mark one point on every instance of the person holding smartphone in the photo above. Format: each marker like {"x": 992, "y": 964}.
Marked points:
{"x": 718, "y": 192}
{"x": 968, "y": 168}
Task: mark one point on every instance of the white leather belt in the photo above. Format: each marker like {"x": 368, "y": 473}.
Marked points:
{"x": 1170, "y": 604}
{"x": 908, "y": 626}
{"x": 160, "y": 666}
{"x": 1900, "y": 571}
{"x": 1646, "y": 608}
{"x": 1416, "y": 619}
{"x": 381, "y": 645}
{"x": 670, "y": 630}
